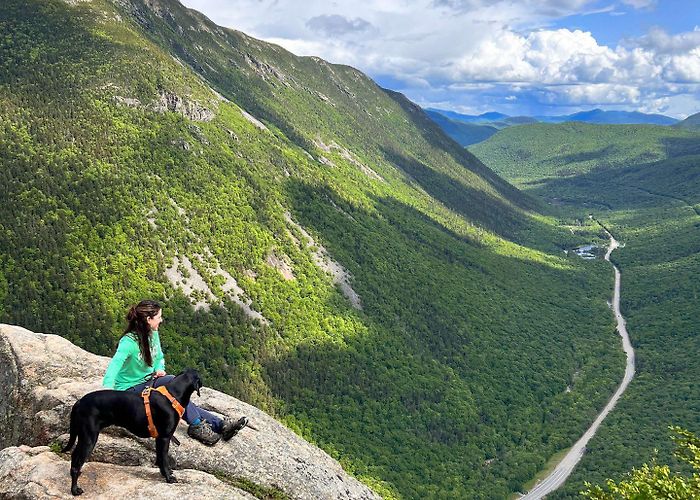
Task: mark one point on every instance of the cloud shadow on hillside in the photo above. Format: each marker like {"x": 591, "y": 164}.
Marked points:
{"x": 434, "y": 135}
{"x": 435, "y": 314}
{"x": 650, "y": 184}
{"x": 474, "y": 204}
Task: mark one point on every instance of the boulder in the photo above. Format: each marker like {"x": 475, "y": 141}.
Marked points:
{"x": 43, "y": 375}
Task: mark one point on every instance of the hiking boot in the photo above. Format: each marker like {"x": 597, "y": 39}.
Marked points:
{"x": 230, "y": 427}
{"x": 203, "y": 432}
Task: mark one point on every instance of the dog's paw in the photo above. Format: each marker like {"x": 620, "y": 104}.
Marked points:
{"x": 76, "y": 491}
{"x": 171, "y": 479}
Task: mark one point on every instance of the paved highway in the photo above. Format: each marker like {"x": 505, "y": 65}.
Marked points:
{"x": 567, "y": 464}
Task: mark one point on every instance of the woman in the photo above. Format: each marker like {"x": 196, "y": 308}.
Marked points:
{"x": 139, "y": 362}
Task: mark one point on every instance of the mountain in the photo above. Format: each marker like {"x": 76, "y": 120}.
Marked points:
{"x": 534, "y": 152}
{"x": 491, "y": 117}
{"x": 611, "y": 117}
{"x": 459, "y": 117}
{"x": 321, "y": 249}
{"x": 465, "y": 134}
{"x": 643, "y": 183}
{"x": 472, "y": 129}
{"x": 519, "y": 120}
{"x": 693, "y": 121}
{"x": 467, "y": 130}
{"x": 593, "y": 116}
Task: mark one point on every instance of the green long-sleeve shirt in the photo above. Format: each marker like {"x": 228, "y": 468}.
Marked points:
{"x": 127, "y": 367}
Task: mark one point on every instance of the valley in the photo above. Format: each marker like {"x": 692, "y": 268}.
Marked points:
{"x": 563, "y": 469}
{"x": 650, "y": 205}
{"x": 323, "y": 251}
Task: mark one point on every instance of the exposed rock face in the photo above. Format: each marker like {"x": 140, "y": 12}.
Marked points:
{"x": 339, "y": 274}
{"x": 265, "y": 70}
{"x": 347, "y": 155}
{"x": 193, "y": 283}
{"x": 43, "y": 375}
{"x": 281, "y": 264}
{"x": 39, "y": 473}
{"x": 172, "y": 102}
{"x": 253, "y": 120}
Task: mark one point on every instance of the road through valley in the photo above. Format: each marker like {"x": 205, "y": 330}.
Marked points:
{"x": 564, "y": 468}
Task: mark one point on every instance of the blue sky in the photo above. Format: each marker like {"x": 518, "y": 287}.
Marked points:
{"x": 520, "y": 57}
{"x": 610, "y": 27}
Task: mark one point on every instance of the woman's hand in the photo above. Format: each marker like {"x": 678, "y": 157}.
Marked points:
{"x": 159, "y": 373}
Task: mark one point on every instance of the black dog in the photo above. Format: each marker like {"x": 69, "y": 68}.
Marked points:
{"x": 100, "y": 409}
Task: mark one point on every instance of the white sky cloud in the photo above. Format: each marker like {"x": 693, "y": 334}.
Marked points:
{"x": 661, "y": 42}
{"x": 683, "y": 68}
{"x": 594, "y": 94}
{"x": 431, "y": 48}
{"x": 640, "y": 4}
{"x": 336, "y": 25}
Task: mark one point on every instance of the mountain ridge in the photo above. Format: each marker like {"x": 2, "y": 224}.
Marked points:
{"x": 471, "y": 129}
{"x": 691, "y": 121}
{"x": 596, "y": 115}
{"x": 463, "y": 133}
{"x": 146, "y": 151}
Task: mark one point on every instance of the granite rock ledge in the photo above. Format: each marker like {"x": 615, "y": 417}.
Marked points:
{"x": 42, "y": 375}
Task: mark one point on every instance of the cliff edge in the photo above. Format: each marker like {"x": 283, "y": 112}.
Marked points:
{"x": 43, "y": 375}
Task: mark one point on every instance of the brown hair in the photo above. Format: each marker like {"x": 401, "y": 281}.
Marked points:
{"x": 137, "y": 324}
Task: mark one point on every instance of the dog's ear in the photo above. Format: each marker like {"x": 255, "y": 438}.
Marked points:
{"x": 198, "y": 385}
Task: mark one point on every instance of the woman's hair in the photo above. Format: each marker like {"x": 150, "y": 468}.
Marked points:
{"x": 136, "y": 318}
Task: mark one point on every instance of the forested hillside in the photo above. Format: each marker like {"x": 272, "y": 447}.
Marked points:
{"x": 531, "y": 153}
{"x": 321, "y": 249}
{"x": 649, "y": 197}
{"x": 463, "y": 133}
{"x": 693, "y": 121}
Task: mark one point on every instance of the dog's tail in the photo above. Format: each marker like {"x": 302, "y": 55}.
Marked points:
{"x": 73, "y": 428}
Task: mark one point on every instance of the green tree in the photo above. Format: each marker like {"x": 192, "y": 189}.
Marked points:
{"x": 657, "y": 481}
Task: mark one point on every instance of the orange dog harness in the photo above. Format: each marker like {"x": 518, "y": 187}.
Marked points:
{"x": 146, "y": 394}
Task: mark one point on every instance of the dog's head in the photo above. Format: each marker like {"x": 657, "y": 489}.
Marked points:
{"x": 193, "y": 378}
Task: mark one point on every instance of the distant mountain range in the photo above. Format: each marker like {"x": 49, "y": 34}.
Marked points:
{"x": 470, "y": 129}
{"x": 693, "y": 121}
{"x": 611, "y": 118}
{"x": 464, "y": 133}
{"x": 592, "y": 116}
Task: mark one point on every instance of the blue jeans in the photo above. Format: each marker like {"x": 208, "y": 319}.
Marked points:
{"x": 192, "y": 411}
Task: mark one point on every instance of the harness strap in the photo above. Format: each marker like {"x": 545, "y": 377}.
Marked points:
{"x": 174, "y": 402}
{"x": 146, "y": 394}
{"x": 147, "y": 404}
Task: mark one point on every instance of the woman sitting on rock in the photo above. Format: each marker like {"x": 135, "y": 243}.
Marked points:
{"x": 139, "y": 358}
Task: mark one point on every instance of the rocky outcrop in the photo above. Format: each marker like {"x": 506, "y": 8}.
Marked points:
{"x": 43, "y": 375}
{"x": 169, "y": 101}
{"x": 253, "y": 120}
{"x": 40, "y": 473}
{"x": 339, "y": 274}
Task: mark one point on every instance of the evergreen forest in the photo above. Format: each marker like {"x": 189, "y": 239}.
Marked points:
{"x": 324, "y": 251}
{"x": 643, "y": 183}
